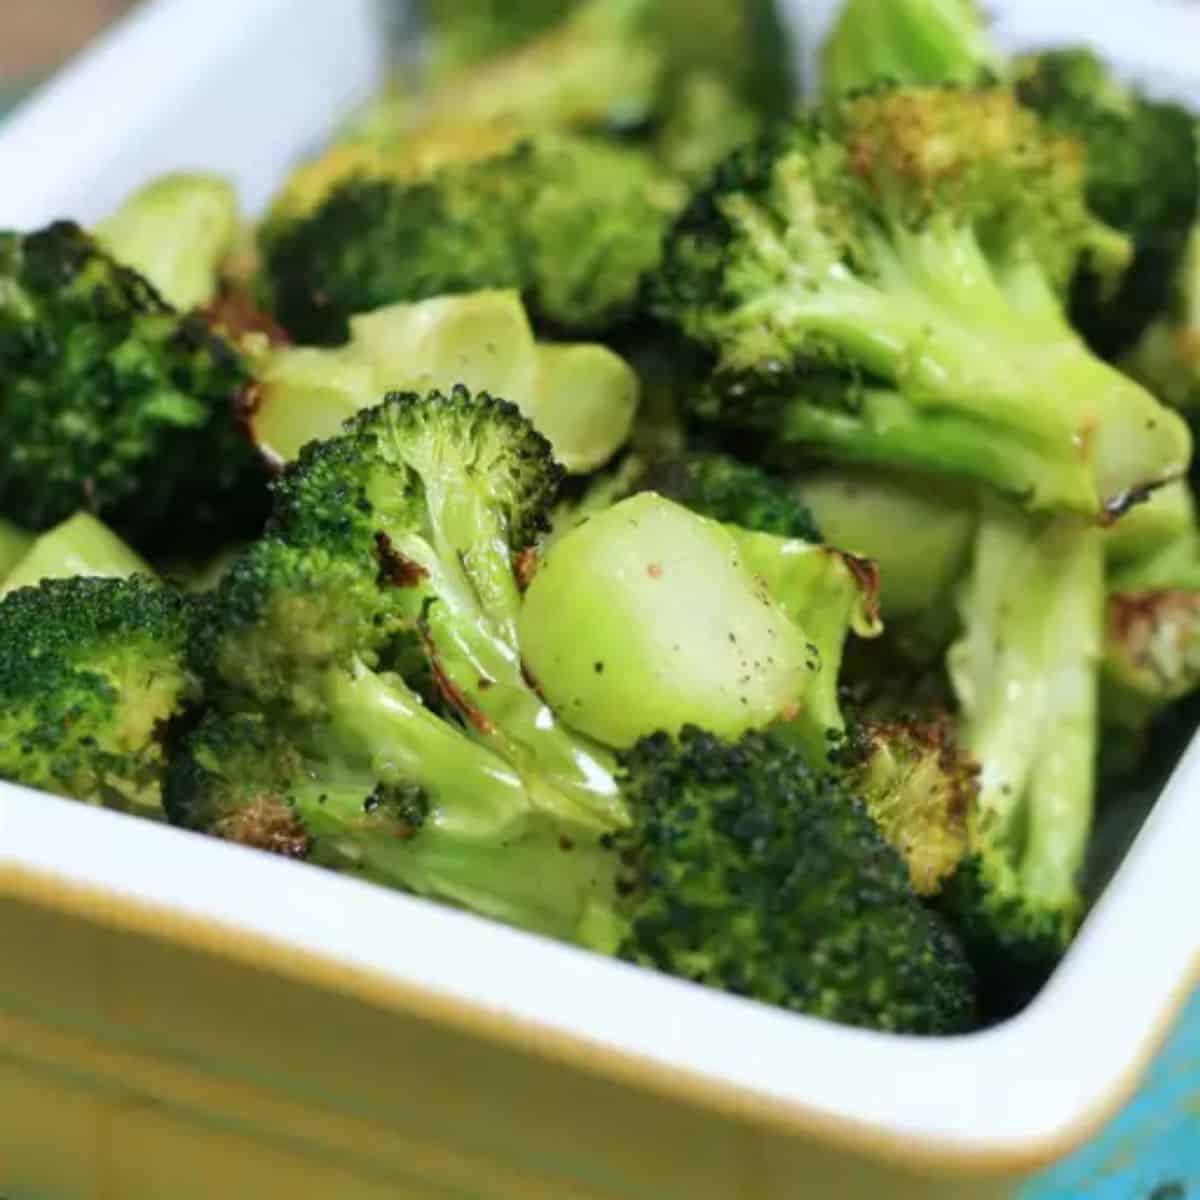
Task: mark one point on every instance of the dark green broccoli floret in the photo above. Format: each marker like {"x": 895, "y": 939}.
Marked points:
{"x": 747, "y": 870}
{"x": 1143, "y": 178}
{"x": 91, "y": 672}
{"x": 571, "y": 222}
{"x": 1026, "y": 675}
{"x": 880, "y": 282}
{"x": 735, "y": 493}
{"x": 112, "y": 401}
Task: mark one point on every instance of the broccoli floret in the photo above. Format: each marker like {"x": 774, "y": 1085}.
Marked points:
{"x": 700, "y": 624}
{"x": 580, "y": 395}
{"x": 112, "y": 401}
{"x": 401, "y": 539}
{"x": 1167, "y": 356}
{"x": 81, "y": 545}
{"x": 91, "y": 672}
{"x": 746, "y": 870}
{"x": 733, "y": 492}
{"x": 881, "y": 283}
{"x": 918, "y": 786}
{"x": 571, "y": 222}
{"x": 1143, "y": 178}
{"x": 1025, "y": 672}
{"x": 176, "y": 232}
{"x": 908, "y": 41}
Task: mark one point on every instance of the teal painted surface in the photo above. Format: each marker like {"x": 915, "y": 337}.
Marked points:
{"x": 1151, "y": 1151}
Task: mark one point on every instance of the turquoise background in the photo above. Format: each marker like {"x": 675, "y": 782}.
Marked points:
{"x": 1151, "y": 1151}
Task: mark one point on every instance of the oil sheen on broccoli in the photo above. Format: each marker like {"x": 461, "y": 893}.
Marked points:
{"x": 883, "y": 282}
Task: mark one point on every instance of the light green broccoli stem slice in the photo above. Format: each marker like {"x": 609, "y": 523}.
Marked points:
{"x": 916, "y": 530}
{"x": 1026, "y": 676}
{"x": 483, "y": 839}
{"x": 81, "y": 545}
{"x": 907, "y": 41}
{"x": 699, "y": 624}
{"x": 176, "y": 231}
{"x": 14, "y": 545}
{"x": 581, "y": 396}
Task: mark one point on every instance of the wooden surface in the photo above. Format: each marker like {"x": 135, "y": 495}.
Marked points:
{"x": 35, "y": 35}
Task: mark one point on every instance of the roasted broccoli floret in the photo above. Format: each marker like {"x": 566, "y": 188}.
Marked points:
{"x": 700, "y": 623}
{"x": 733, "y": 492}
{"x": 881, "y": 283}
{"x": 112, "y": 401}
{"x": 747, "y": 870}
{"x": 91, "y": 673}
{"x": 399, "y": 542}
{"x": 1025, "y": 672}
{"x": 907, "y": 41}
{"x": 1143, "y": 178}
{"x": 571, "y": 222}
{"x": 1167, "y": 356}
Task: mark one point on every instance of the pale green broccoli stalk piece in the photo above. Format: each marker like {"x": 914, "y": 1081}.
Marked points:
{"x": 464, "y": 33}
{"x": 14, "y": 545}
{"x": 700, "y": 624}
{"x": 908, "y": 41}
{"x": 81, "y": 545}
{"x": 176, "y": 232}
{"x": 581, "y": 396}
{"x": 882, "y": 282}
{"x": 917, "y": 531}
{"x": 92, "y": 671}
{"x": 1025, "y": 673}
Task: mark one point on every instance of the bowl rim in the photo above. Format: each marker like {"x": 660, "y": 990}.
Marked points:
{"x": 1009, "y": 1099}
{"x": 1006, "y": 1100}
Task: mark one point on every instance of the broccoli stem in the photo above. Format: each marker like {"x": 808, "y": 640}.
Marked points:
{"x": 377, "y": 719}
{"x": 1026, "y": 676}
{"x": 962, "y": 336}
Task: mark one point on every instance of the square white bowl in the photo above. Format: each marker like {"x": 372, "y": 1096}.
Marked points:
{"x": 245, "y": 89}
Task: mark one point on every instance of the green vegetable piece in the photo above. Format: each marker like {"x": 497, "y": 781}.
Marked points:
{"x": 907, "y": 41}
{"x": 81, "y": 545}
{"x": 14, "y": 545}
{"x": 882, "y": 282}
{"x": 113, "y": 402}
{"x": 176, "y": 231}
{"x": 686, "y": 631}
{"x": 1025, "y": 673}
{"x": 748, "y": 871}
{"x": 91, "y": 672}
{"x": 917, "y": 531}
{"x": 582, "y": 397}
